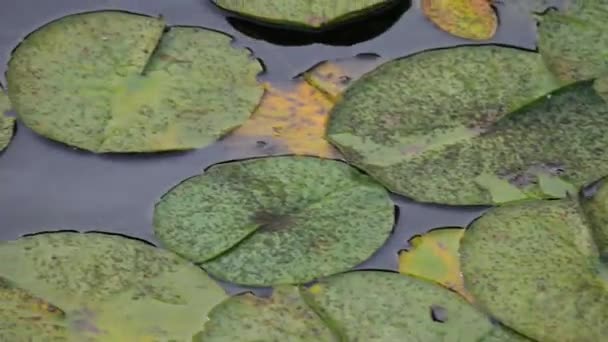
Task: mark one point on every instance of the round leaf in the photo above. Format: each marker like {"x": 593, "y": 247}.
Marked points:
{"x": 433, "y": 126}
{"x": 6, "y": 124}
{"x": 381, "y": 306}
{"x": 283, "y": 317}
{"x": 276, "y": 220}
{"x": 304, "y": 14}
{"x": 117, "y": 82}
{"x": 110, "y": 288}
{"x": 434, "y": 256}
{"x": 536, "y": 267}
{"x": 471, "y": 19}
{"x": 575, "y": 43}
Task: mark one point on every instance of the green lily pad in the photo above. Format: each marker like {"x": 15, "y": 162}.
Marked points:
{"x": 574, "y": 43}
{"x": 382, "y": 306}
{"x": 118, "y": 82}
{"x": 109, "y": 288}
{"x": 7, "y": 124}
{"x": 284, "y": 316}
{"x": 601, "y": 87}
{"x": 24, "y": 317}
{"x": 434, "y": 126}
{"x": 276, "y": 220}
{"x": 313, "y": 14}
{"x": 537, "y": 267}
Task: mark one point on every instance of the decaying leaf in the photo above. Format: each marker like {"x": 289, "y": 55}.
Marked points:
{"x": 470, "y": 19}
{"x": 295, "y": 115}
{"x": 434, "y": 256}
{"x": 434, "y": 127}
{"x": 540, "y": 267}
{"x": 105, "y": 288}
{"x": 284, "y": 316}
{"x": 117, "y": 82}
{"x": 382, "y": 306}
{"x": 574, "y": 43}
{"x": 303, "y": 14}
{"x": 278, "y": 220}
{"x": 6, "y": 124}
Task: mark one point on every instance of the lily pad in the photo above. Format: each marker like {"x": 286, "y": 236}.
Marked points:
{"x": 314, "y": 14}
{"x": 434, "y": 126}
{"x": 540, "y": 267}
{"x": 434, "y": 256}
{"x": 7, "y": 124}
{"x": 470, "y": 19}
{"x": 276, "y": 220}
{"x": 118, "y": 82}
{"x": 110, "y": 288}
{"x": 382, "y": 306}
{"x": 575, "y": 42}
{"x": 284, "y": 316}
{"x": 601, "y": 87}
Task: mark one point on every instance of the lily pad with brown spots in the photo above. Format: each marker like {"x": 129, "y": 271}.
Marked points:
{"x": 306, "y": 14}
{"x": 279, "y": 220}
{"x": 118, "y": 82}
{"x": 471, "y": 19}
{"x": 574, "y": 42}
{"x": 469, "y": 125}
{"x": 7, "y": 124}
{"x": 387, "y": 307}
{"x": 541, "y": 268}
{"x": 96, "y": 287}
{"x": 284, "y": 316}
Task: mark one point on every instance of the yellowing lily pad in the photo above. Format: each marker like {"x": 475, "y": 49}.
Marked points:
{"x": 387, "y": 307}
{"x": 540, "y": 267}
{"x": 103, "y": 288}
{"x": 434, "y": 127}
{"x": 303, "y": 14}
{"x": 284, "y": 316}
{"x": 6, "y": 124}
{"x": 470, "y": 19}
{"x": 575, "y": 42}
{"x": 276, "y": 220}
{"x": 118, "y": 82}
{"x": 434, "y": 256}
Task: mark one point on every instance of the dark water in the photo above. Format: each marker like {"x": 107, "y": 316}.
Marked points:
{"x": 48, "y": 186}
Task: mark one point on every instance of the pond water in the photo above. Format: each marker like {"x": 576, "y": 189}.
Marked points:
{"x": 48, "y": 186}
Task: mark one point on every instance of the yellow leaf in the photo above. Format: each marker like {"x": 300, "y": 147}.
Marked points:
{"x": 434, "y": 257}
{"x": 296, "y": 114}
{"x": 470, "y": 19}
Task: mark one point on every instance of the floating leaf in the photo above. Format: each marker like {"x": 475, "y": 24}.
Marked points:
{"x": 110, "y": 288}
{"x": 296, "y": 116}
{"x": 433, "y": 126}
{"x": 303, "y": 14}
{"x": 382, "y": 306}
{"x": 116, "y": 82}
{"x": 470, "y": 19}
{"x": 6, "y": 124}
{"x": 434, "y": 256}
{"x": 601, "y": 87}
{"x": 537, "y": 267}
{"x": 575, "y": 43}
{"x": 283, "y": 317}
{"x": 276, "y": 220}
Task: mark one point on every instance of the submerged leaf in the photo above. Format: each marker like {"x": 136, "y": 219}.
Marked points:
{"x": 6, "y": 124}
{"x": 304, "y": 14}
{"x": 540, "y": 267}
{"x": 470, "y": 19}
{"x": 116, "y": 82}
{"x": 109, "y": 288}
{"x": 284, "y": 316}
{"x": 575, "y": 43}
{"x": 276, "y": 220}
{"x": 435, "y": 127}
{"x": 381, "y": 306}
{"x": 434, "y": 256}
